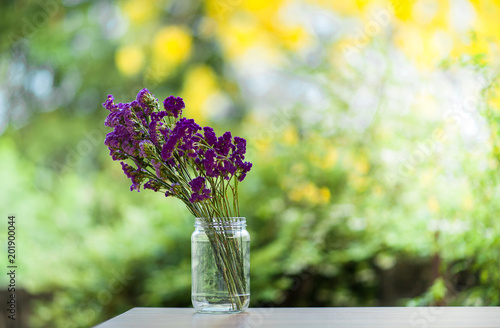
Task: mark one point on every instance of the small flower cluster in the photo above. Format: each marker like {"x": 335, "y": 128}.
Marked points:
{"x": 167, "y": 149}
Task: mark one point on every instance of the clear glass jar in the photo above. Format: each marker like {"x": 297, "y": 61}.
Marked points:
{"x": 220, "y": 265}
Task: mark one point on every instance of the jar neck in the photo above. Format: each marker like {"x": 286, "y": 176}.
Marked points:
{"x": 226, "y": 223}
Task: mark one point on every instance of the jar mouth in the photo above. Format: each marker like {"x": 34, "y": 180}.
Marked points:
{"x": 222, "y": 222}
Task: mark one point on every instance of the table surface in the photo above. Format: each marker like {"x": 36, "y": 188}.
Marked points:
{"x": 387, "y": 317}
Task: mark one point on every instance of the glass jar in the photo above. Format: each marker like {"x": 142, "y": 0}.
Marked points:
{"x": 220, "y": 265}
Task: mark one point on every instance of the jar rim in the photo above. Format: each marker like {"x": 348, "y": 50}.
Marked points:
{"x": 237, "y": 221}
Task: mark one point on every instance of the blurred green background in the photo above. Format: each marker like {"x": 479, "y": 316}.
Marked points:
{"x": 373, "y": 127}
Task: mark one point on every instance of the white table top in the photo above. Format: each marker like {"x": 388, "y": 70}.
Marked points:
{"x": 387, "y": 317}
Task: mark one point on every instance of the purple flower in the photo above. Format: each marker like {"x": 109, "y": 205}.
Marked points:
{"x": 117, "y": 155}
{"x": 241, "y": 145}
{"x": 210, "y": 164}
{"x": 230, "y": 168}
{"x": 200, "y": 197}
{"x": 174, "y": 106}
{"x": 169, "y": 147}
{"x": 156, "y": 116}
{"x": 153, "y": 132}
{"x": 157, "y": 165}
{"x": 142, "y": 97}
{"x": 210, "y": 136}
{"x": 145, "y": 148}
{"x": 245, "y": 168}
{"x": 224, "y": 144}
{"x": 109, "y": 103}
{"x": 127, "y": 169}
{"x": 200, "y": 193}
{"x": 197, "y": 184}
{"x": 182, "y": 138}
{"x": 152, "y": 184}
{"x": 136, "y": 176}
{"x": 115, "y": 138}
{"x": 186, "y": 127}
{"x": 166, "y": 147}
{"x": 121, "y": 115}
{"x": 174, "y": 187}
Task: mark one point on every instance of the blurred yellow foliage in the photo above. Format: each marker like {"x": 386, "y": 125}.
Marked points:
{"x": 266, "y": 12}
{"x": 290, "y": 136}
{"x": 140, "y": 11}
{"x": 200, "y": 84}
{"x": 260, "y": 5}
{"x": 244, "y": 34}
{"x": 331, "y": 156}
{"x": 310, "y": 193}
{"x": 325, "y": 195}
{"x": 241, "y": 34}
{"x": 361, "y": 4}
{"x": 402, "y": 8}
{"x": 129, "y": 59}
{"x": 293, "y": 38}
{"x": 341, "y": 7}
{"x": 487, "y": 23}
{"x": 247, "y": 24}
{"x": 361, "y": 165}
{"x": 433, "y": 205}
{"x": 172, "y": 45}
{"x": 358, "y": 183}
{"x": 263, "y": 146}
{"x": 324, "y": 160}
{"x": 494, "y": 101}
{"x": 426, "y": 30}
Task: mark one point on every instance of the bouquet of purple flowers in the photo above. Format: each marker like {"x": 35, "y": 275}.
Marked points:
{"x": 174, "y": 155}
{"x": 163, "y": 151}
